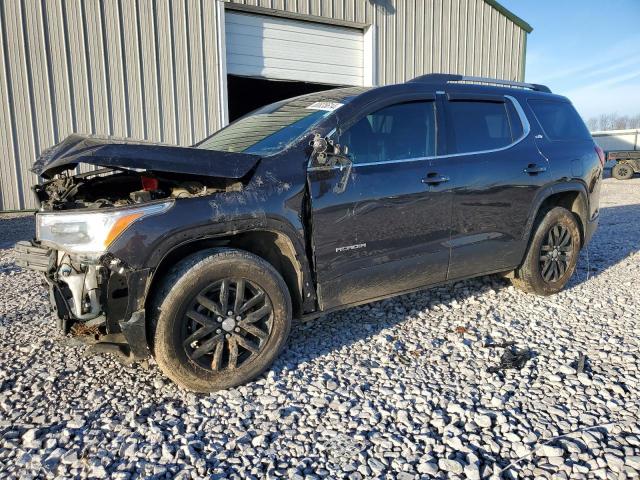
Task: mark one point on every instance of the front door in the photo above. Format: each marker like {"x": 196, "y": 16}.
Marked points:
{"x": 386, "y": 232}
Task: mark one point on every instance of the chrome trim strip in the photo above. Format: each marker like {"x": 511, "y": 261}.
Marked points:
{"x": 526, "y": 129}
{"x": 404, "y": 160}
{"x": 526, "y": 126}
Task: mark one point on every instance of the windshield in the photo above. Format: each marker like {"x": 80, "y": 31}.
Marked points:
{"x": 271, "y": 128}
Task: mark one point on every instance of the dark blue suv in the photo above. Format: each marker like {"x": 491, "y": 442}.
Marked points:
{"x": 202, "y": 255}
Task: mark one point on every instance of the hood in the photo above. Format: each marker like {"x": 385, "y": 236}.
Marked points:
{"x": 134, "y": 154}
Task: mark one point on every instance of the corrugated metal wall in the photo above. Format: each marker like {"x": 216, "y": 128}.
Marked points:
{"x": 421, "y": 36}
{"x": 149, "y": 69}
{"x": 139, "y": 68}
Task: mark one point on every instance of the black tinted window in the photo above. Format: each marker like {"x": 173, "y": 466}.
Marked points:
{"x": 559, "y": 120}
{"x": 475, "y": 126}
{"x": 402, "y": 131}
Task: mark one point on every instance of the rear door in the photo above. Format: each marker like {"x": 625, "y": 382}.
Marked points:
{"x": 495, "y": 171}
{"x": 386, "y": 232}
{"x": 566, "y": 142}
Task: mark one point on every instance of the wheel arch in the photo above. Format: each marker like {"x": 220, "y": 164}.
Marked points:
{"x": 274, "y": 246}
{"x": 572, "y": 196}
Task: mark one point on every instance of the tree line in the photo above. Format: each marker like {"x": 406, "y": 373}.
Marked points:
{"x": 613, "y": 121}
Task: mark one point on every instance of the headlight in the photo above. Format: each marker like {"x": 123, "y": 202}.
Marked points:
{"x": 90, "y": 232}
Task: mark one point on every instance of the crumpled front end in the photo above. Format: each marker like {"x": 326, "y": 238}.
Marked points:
{"x": 122, "y": 172}
{"x": 98, "y": 288}
{"x": 94, "y": 299}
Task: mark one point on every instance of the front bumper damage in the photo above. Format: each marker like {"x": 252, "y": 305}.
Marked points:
{"x": 100, "y": 303}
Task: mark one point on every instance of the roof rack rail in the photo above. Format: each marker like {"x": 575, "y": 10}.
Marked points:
{"x": 440, "y": 78}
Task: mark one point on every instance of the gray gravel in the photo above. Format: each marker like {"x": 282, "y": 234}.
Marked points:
{"x": 393, "y": 389}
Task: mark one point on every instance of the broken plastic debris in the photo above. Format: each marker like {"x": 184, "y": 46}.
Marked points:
{"x": 500, "y": 345}
{"x": 581, "y": 360}
{"x": 511, "y": 358}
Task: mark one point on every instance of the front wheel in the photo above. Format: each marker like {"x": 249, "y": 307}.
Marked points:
{"x": 219, "y": 320}
{"x": 622, "y": 171}
{"x": 552, "y": 254}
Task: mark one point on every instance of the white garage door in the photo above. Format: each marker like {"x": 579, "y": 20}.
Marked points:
{"x": 283, "y": 49}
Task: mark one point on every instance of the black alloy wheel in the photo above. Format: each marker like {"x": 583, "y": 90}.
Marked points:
{"x": 227, "y": 324}
{"x": 218, "y": 319}
{"x": 555, "y": 253}
{"x": 552, "y": 253}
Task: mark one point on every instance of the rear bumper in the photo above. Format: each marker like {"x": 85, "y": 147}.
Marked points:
{"x": 111, "y": 316}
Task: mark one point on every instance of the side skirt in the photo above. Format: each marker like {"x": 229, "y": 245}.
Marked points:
{"x": 311, "y": 316}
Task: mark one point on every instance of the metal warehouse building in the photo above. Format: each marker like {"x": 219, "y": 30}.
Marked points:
{"x": 176, "y": 70}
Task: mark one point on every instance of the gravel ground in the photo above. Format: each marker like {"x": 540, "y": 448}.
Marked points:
{"x": 395, "y": 389}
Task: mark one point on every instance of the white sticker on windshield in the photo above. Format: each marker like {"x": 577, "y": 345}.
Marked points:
{"x": 326, "y": 106}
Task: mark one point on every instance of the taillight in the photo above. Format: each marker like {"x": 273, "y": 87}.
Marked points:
{"x": 600, "y": 153}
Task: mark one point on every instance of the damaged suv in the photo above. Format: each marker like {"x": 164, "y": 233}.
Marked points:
{"x": 201, "y": 256}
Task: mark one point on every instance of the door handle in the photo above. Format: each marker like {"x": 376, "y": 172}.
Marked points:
{"x": 533, "y": 169}
{"x": 433, "y": 179}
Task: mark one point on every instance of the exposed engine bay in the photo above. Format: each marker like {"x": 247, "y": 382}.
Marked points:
{"x": 86, "y": 182}
{"x": 109, "y": 187}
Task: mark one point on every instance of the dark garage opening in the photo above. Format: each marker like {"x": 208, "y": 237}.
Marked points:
{"x": 245, "y": 94}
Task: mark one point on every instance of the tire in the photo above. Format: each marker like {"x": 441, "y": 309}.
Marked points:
{"x": 544, "y": 272}
{"x": 202, "y": 348}
{"x": 622, "y": 171}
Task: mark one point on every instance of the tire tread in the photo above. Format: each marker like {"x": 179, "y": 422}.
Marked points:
{"x": 170, "y": 289}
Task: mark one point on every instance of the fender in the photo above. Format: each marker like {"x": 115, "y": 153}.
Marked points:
{"x": 178, "y": 230}
{"x": 574, "y": 185}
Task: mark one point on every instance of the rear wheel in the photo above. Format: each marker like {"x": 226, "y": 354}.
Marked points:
{"x": 220, "y": 319}
{"x": 622, "y": 171}
{"x": 552, "y": 254}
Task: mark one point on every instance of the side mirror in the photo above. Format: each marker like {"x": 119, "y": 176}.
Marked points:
{"x": 320, "y": 146}
{"x": 326, "y": 153}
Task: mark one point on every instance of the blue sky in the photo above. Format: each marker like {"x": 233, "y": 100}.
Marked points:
{"x": 588, "y": 50}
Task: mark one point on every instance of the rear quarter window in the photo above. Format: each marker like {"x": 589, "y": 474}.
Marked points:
{"x": 559, "y": 120}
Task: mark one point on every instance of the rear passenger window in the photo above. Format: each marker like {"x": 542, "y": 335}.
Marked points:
{"x": 559, "y": 120}
{"x": 474, "y": 126}
{"x": 397, "y": 132}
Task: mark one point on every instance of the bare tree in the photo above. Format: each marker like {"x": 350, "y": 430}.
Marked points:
{"x": 613, "y": 121}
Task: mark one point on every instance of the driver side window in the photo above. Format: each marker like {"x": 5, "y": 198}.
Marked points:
{"x": 397, "y": 132}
